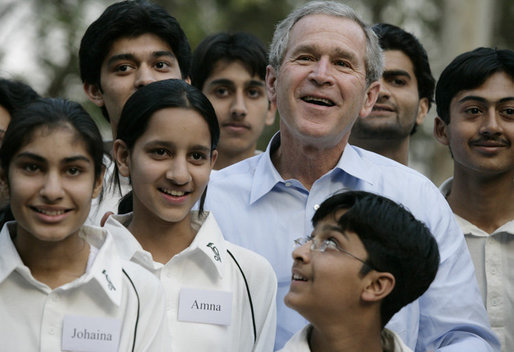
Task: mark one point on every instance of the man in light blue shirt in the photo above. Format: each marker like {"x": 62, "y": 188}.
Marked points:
{"x": 325, "y": 64}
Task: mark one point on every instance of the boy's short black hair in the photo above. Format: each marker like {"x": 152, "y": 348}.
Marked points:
{"x": 469, "y": 71}
{"x": 239, "y": 46}
{"x": 395, "y": 240}
{"x": 128, "y": 19}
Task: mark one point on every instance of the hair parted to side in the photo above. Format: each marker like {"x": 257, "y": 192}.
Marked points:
{"x": 395, "y": 240}
{"x": 373, "y": 60}
{"x": 470, "y": 70}
{"x": 52, "y": 113}
{"x": 139, "y": 108}
{"x": 228, "y": 47}
{"x": 130, "y": 19}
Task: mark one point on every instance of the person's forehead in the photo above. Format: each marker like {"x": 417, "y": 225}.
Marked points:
{"x": 496, "y": 88}
{"x": 226, "y": 68}
{"x": 145, "y": 42}
{"x": 397, "y": 60}
{"x": 345, "y": 33}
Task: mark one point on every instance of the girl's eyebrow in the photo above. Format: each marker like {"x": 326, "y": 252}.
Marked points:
{"x": 39, "y": 158}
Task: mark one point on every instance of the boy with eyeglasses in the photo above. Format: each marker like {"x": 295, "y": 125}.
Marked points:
{"x": 366, "y": 258}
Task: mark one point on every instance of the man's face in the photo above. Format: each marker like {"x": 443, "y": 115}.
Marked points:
{"x": 398, "y": 108}
{"x": 320, "y": 88}
{"x": 130, "y": 64}
{"x": 481, "y": 128}
{"x": 241, "y": 105}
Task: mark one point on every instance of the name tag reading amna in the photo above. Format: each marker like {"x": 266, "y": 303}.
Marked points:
{"x": 205, "y": 306}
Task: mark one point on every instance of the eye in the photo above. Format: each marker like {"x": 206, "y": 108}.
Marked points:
{"x": 73, "y": 171}
{"x": 31, "y": 168}
{"x": 508, "y": 112}
{"x": 305, "y": 58}
{"x": 161, "y": 65}
{"x": 331, "y": 243}
{"x": 159, "y": 153}
{"x": 472, "y": 110}
{"x": 122, "y": 68}
{"x": 342, "y": 63}
{"x": 398, "y": 82}
{"x": 254, "y": 93}
{"x": 198, "y": 156}
{"x": 221, "y": 92}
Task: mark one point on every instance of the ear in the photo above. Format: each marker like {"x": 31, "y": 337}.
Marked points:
{"x": 271, "y": 80}
{"x": 270, "y": 114}
{"x": 422, "y": 111}
{"x": 214, "y": 157}
{"x": 371, "y": 99}
{"x": 441, "y": 131}
{"x": 121, "y": 157}
{"x": 379, "y": 285}
{"x": 94, "y": 93}
{"x": 98, "y": 183}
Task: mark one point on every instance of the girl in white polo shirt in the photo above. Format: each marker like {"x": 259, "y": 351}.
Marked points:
{"x": 62, "y": 285}
{"x": 220, "y": 297}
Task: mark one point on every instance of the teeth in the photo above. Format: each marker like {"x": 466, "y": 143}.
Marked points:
{"x": 298, "y": 277}
{"x": 51, "y": 212}
{"x": 173, "y": 192}
{"x": 320, "y": 101}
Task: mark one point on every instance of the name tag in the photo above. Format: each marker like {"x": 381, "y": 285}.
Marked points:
{"x": 205, "y": 306}
{"x": 87, "y": 334}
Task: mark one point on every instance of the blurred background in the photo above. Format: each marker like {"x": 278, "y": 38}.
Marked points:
{"x": 39, "y": 41}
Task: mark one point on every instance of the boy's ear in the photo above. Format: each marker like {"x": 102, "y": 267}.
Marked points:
{"x": 99, "y": 183}
{"x": 94, "y": 94}
{"x": 121, "y": 157}
{"x": 441, "y": 131}
{"x": 378, "y": 287}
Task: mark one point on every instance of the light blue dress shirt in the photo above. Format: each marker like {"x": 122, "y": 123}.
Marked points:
{"x": 257, "y": 209}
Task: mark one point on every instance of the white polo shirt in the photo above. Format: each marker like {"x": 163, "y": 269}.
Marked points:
{"x": 391, "y": 342}
{"x": 99, "y": 308}
{"x": 206, "y": 273}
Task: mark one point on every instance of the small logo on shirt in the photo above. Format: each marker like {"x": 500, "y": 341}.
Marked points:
{"x": 109, "y": 283}
{"x": 215, "y": 250}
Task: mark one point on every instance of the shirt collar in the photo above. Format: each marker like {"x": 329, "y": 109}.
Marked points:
{"x": 209, "y": 241}
{"x": 105, "y": 270}
{"x": 267, "y": 176}
{"x": 467, "y": 227}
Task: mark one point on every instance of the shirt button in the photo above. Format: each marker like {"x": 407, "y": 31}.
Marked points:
{"x": 51, "y": 331}
{"x": 316, "y": 206}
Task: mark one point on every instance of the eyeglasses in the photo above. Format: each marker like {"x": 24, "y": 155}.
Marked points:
{"x": 322, "y": 245}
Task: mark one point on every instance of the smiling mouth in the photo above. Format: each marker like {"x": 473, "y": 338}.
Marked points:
{"x": 173, "y": 193}
{"x": 318, "y": 101}
{"x": 382, "y": 108}
{"x": 297, "y": 277}
{"x": 50, "y": 212}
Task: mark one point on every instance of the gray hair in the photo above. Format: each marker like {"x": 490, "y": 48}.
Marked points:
{"x": 373, "y": 60}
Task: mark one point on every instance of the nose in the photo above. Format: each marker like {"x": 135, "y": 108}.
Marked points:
{"x": 490, "y": 124}
{"x": 303, "y": 252}
{"x": 178, "y": 171}
{"x": 52, "y": 190}
{"x": 145, "y": 75}
{"x": 238, "y": 109}
{"x": 384, "y": 92}
{"x": 321, "y": 73}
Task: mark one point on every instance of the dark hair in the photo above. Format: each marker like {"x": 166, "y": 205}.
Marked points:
{"x": 140, "y": 107}
{"x": 469, "y": 71}
{"x": 130, "y": 19}
{"x": 239, "y": 46}
{"x": 51, "y": 113}
{"x": 15, "y": 95}
{"x": 395, "y": 240}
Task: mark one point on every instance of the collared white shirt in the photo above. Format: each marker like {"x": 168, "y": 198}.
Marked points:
{"x": 493, "y": 257}
{"x": 206, "y": 266}
{"x": 391, "y": 342}
{"x": 111, "y": 195}
{"x": 259, "y": 210}
{"x": 32, "y": 314}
